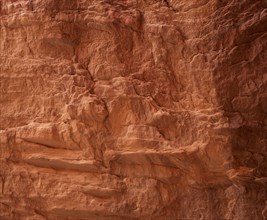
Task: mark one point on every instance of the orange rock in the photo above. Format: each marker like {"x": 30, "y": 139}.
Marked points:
{"x": 133, "y": 109}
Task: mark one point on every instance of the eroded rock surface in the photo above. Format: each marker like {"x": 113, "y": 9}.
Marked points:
{"x": 133, "y": 109}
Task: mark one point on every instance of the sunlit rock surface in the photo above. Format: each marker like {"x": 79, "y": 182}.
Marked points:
{"x": 133, "y": 109}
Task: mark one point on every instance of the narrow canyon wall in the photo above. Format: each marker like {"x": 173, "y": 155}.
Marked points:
{"x": 133, "y": 109}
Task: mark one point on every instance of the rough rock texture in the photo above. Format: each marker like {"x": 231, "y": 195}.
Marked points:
{"x": 133, "y": 109}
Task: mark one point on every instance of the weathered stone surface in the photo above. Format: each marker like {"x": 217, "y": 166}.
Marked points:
{"x": 133, "y": 109}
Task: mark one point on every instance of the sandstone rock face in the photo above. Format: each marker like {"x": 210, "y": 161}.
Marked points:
{"x": 133, "y": 109}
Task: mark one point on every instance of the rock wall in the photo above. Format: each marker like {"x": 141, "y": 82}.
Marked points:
{"x": 133, "y": 109}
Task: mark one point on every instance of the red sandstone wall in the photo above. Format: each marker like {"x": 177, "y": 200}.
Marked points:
{"x": 133, "y": 109}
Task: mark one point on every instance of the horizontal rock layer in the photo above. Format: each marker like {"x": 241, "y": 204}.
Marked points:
{"x": 133, "y": 109}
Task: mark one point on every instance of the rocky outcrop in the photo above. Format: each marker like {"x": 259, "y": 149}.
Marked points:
{"x": 135, "y": 109}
